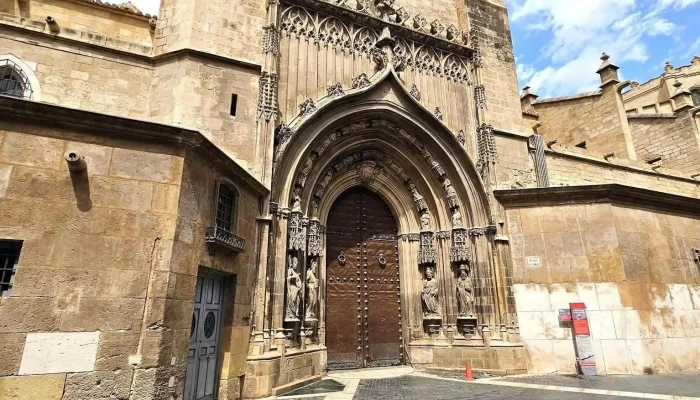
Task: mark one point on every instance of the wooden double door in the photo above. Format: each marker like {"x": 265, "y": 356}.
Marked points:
{"x": 363, "y": 303}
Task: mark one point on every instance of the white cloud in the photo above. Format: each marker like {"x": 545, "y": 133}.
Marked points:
{"x": 677, "y": 4}
{"x": 580, "y": 32}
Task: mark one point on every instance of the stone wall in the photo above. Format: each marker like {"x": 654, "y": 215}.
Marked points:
{"x": 634, "y": 268}
{"x": 490, "y": 20}
{"x": 90, "y": 245}
{"x": 674, "y": 138}
{"x": 86, "y": 78}
{"x": 197, "y": 211}
{"x": 591, "y": 118}
{"x": 570, "y": 169}
{"x": 196, "y": 92}
{"x": 225, "y": 28}
{"x": 85, "y": 16}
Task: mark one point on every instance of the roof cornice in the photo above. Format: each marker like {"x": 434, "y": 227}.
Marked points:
{"x": 111, "y": 126}
{"x": 606, "y": 193}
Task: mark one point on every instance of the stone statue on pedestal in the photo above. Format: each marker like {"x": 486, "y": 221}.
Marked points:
{"x": 465, "y": 296}
{"x": 311, "y": 291}
{"x": 293, "y": 290}
{"x": 430, "y": 294}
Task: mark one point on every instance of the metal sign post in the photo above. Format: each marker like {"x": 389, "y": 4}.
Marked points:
{"x": 582, "y": 333}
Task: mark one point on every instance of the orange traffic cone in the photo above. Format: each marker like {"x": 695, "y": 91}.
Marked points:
{"x": 468, "y": 373}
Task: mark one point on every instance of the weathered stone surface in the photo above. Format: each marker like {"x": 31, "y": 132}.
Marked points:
{"x": 31, "y": 150}
{"x": 45, "y": 387}
{"x": 114, "y": 350}
{"x": 100, "y": 385}
{"x": 14, "y": 312}
{"x": 50, "y": 353}
{"x": 11, "y": 348}
{"x": 104, "y": 314}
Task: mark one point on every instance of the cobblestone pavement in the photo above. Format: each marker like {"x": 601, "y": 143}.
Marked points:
{"x": 424, "y": 388}
{"x": 441, "y": 386}
{"x": 677, "y": 384}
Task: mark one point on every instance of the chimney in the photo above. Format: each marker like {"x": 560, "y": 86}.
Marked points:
{"x": 608, "y": 72}
{"x": 527, "y": 98}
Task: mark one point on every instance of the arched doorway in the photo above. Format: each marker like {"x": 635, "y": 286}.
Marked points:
{"x": 363, "y": 307}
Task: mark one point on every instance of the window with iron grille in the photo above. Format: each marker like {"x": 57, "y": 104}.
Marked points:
{"x": 225, "y": 208}
{"x": 9, "y": 256}
{"x": 13, "y": 81}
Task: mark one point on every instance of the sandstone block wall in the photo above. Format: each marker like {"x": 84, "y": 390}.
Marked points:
{"x": 674, "y": 139}
{"x": 490, "y": 19}
{"x": 594, "y": 119}
{"x": 195, "y": 92}
{"x": 197, "y": 211}
{"x": 90, "y": 247}
{"x": 226, "y": 28}
{"x": 84, "y": 16}
{"x": 635, "y": 270}
{"x": 88, "y": 79}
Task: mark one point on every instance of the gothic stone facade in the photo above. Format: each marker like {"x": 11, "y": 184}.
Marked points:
{"x": 231, "y": 198}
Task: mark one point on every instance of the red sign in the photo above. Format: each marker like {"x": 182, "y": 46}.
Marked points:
{"x": 564, "y": 315}
{"x": 579, "y": 318}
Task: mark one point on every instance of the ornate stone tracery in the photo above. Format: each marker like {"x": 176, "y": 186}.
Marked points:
{"x": 267, "y": 97}
{"x": 348, "y": 36}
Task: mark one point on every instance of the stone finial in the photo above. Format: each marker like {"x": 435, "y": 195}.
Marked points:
{"x": 695, "y": 60}
{"x": 634, "y": 84}
{"x": 607, "y": 71}
{"x": 668, "y": 67}
{"x": 677, "y": 84}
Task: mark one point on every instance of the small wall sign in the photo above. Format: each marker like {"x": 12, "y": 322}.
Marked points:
{"x": 534, "y": 262}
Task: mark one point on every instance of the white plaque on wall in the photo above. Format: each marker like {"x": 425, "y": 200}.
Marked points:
{"x": 534, "y": 262}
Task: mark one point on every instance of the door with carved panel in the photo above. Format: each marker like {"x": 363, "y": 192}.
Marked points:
{"x": 363, "y": 308}
{"x": 203, "y": 351}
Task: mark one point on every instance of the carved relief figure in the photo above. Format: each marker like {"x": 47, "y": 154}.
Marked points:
{"x": 425, "y": 221}
{"x": 293, "y": 290}
{"x": 457, "y": 218}
{"x": 430, "y": 294}
{"x": 465, "y": 296}
{"x": 296, "y": 205}
{"x": 311, "y": 290}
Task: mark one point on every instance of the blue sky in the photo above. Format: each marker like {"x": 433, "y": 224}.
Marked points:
{"x": 558, "y": 43}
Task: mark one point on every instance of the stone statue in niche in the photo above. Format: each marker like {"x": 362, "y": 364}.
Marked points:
{"x": 296, "y": 205}
{"x": 430, "y": 294}
{"x": 425, "y": 221}
{"x": 457, "y": 218}
{"x": 465, "y": 293}
{"x": 311, "y": 290}
{"x": 293, "y": 290}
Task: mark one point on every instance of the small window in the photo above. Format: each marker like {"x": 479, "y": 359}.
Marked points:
{"x": 696, "y": 97}
{"x": 697, "y": 258}
{"x": 234, "y": 104}
{"x": 9, "y": 256}
{"x": 225, "y": 208}
{"x": 13, "y": 82}
{"x": 582, "y": 145}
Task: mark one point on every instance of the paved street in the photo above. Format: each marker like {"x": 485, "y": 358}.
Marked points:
{"x": 406, "y": 384}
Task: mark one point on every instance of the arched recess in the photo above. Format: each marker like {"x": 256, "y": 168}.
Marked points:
{"x": 386, "y": 119}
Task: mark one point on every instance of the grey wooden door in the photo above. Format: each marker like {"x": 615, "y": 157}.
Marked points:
{"x": 202, "y": 358}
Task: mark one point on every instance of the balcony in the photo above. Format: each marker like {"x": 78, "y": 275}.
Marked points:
{"x": 217, "y": 237}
